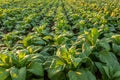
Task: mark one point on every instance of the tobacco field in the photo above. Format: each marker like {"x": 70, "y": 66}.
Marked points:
{"x": 59, "y": 39}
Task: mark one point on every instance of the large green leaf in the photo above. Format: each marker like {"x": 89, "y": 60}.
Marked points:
{"x": 76, "y": 61}
{"x": 109, "y": 58}
{"x": 104, "y": 44}
{"x": 117, "y": 74}
{"x": 109, "y": 67}
{"x": 36, "y": 68}
{"x": 4, "y": 73}
{"x": 102, "y": 71}
{"x": 56, "y": 73}
{"x": 116, "y": 48}
{"x": 18, "y": 74}
{"x": 86, "y": 49}
{"x": 22, "y": 72}
{"x": 81, "y": 75}
{"x": 56, "y": 67}
{"x": 107, "y": 71}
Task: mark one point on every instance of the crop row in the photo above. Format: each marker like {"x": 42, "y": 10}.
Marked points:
{"x": 60, "y": 40}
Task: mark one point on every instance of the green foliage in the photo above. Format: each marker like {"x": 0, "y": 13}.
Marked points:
{"x": 81, "y": 74}
{"x": 59, "y": 40}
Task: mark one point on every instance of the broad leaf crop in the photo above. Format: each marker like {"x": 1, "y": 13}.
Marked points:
{"x": 59, "y": 40}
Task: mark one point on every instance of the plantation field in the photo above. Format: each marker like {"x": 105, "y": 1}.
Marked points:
{"x": 59, "y": 39}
